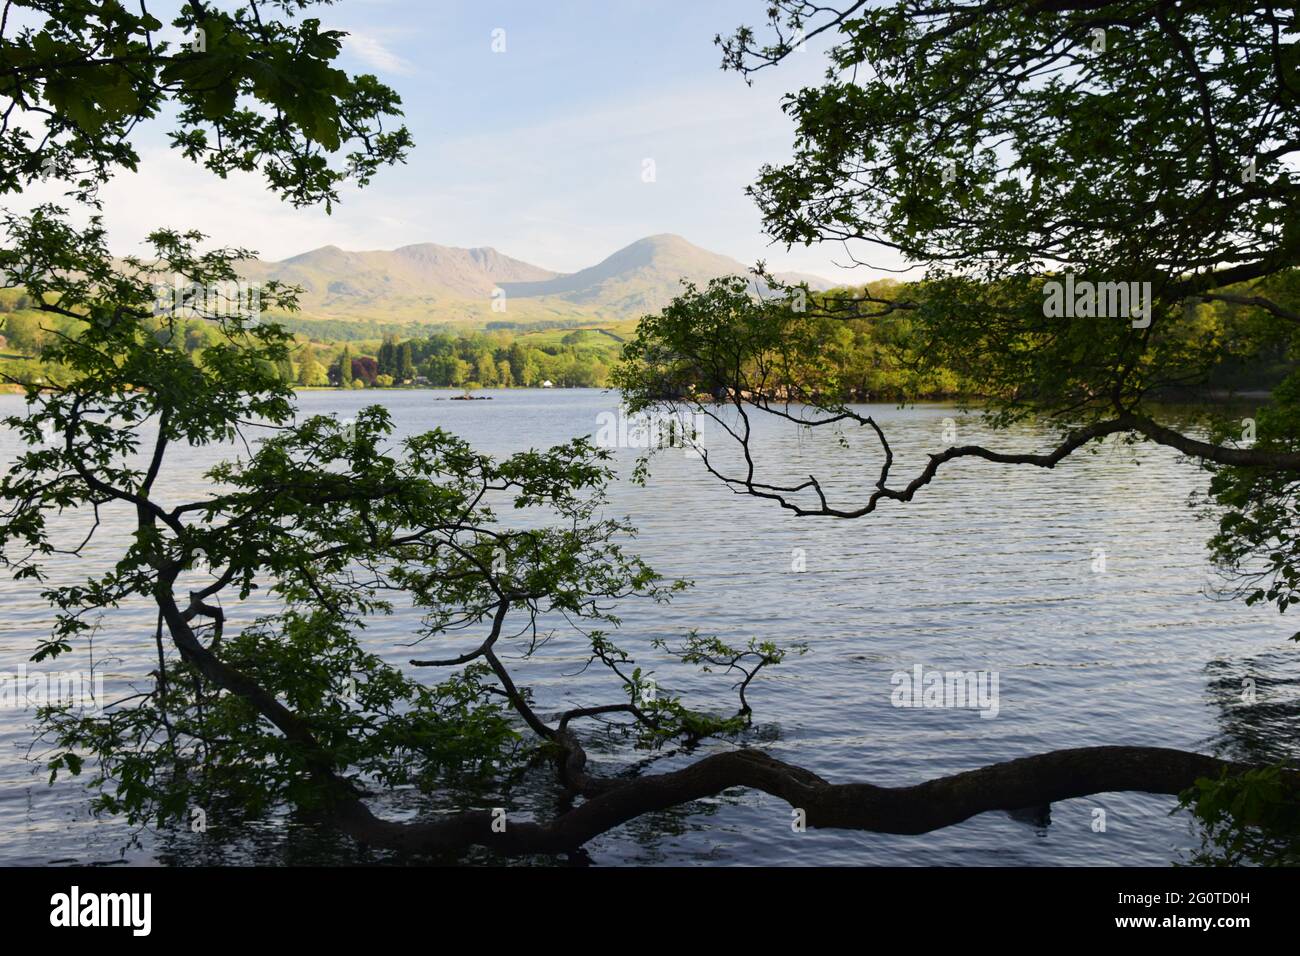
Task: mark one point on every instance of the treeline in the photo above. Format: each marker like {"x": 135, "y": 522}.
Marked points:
{"x": 24, "y": 330}
{"x": 536, "y": 325}
{"x": 858, "y": 360}
{"x": 579, "y": 358}
{"x": 890, "y": 342}
{"x": 437, "y": 357}
{"x": 359, "y": 330}
{"x": 350, "y": 330}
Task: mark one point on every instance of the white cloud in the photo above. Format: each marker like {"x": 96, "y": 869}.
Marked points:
{"x": 562, "y": 192}
{"x": 371, "y": 50}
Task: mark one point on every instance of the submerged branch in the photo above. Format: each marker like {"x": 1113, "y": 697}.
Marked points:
{"x": 942, "y": 802}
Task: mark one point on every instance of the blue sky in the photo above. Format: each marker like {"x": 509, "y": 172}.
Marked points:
{"x": 537, "y": 151}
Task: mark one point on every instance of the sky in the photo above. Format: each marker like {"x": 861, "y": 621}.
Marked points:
{"x": 538, "y": 151}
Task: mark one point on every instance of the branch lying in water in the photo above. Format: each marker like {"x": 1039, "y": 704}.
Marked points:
{"x": 942, "y": 802}
{"x": 610, "y": 802}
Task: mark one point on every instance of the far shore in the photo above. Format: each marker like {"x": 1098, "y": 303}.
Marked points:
{"x": 1188, "y": 399}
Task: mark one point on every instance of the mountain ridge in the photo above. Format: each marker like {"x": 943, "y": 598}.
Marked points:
{"x": 434, "y": 283}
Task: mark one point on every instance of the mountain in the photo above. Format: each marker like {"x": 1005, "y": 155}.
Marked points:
{"x": 337, "y": 283}
{"x": 639, "y": 278}
{"x": 433, "y": 283}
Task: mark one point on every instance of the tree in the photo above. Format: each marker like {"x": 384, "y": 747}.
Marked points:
{"x": 201, "y": 335}
{"x": 517, "y": 355}
{"x": 440, "y": 370}
{"x": 24, "y": 333}
{"x": 531, "y": 374}
{"x": 460, "y": 370}
{"x": 257, "y": 93}
{"x": 308, "y": 710}
{"x": 293, "y": 709}
{"x": 312, "y": 373}
{"x": 1018, "y": 151}
{"x": 979, "y": 140}
{"x": 365, "y": 370}
{"x": 345, "y": 371}
{"x": 405, "y": 363}
{"x": 296, "y": 709}
{"x": 387, "y": 358}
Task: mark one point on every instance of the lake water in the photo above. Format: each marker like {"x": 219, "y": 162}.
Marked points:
{"x": 989, "y": 569}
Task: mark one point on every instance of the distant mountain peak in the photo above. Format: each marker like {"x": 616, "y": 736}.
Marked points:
{"x": 665, "y": 238}
{"x": 435, "y": 283}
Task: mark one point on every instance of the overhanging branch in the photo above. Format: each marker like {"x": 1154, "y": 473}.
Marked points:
{"x": 932, "y": 805}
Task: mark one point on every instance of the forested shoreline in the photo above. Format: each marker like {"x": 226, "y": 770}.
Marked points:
{"x": 864, "y": 359}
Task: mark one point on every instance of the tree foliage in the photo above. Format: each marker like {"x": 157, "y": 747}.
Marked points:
{"x": 248, "y": 87}
{"x": 1000, "y": 148}
{"x": 338, "y": 522}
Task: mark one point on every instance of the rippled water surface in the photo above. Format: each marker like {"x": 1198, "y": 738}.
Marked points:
{"x": 989, "y": 569}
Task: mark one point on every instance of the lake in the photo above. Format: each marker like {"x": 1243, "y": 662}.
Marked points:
{"x": 991, "y": 569}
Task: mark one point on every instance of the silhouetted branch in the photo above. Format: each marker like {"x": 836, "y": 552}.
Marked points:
{"x": 942, "y": 802}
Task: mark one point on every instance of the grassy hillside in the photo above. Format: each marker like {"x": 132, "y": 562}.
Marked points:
{"x": 444, "y": 285}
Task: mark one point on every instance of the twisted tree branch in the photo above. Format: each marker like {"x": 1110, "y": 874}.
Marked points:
{"x": 921, "y": 808}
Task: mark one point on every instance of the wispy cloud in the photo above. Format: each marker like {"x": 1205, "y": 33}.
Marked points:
{"x": 372, "y": 51}
{"x": 540, "y": 152}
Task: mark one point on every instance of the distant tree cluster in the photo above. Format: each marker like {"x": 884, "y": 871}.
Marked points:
{"x": 438, "y": 358}
{"x": 446, "y": 360}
